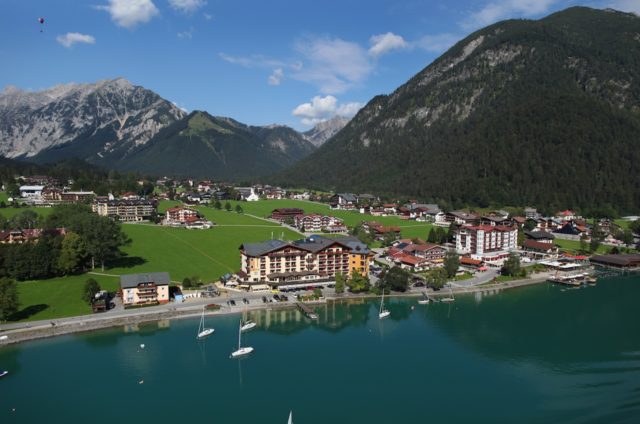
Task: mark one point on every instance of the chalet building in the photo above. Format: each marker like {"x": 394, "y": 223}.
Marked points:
{"x": 471, "y": 264}
{"x": 549, "y": 224}
{"x": 495, "y": 220}
{"x": 630, "y": 261}
{"x": 487, "y": 242}
{"x": 462, "y": 218}
{"x": 144, "y": 289}
{"x": 367, "y": 198}
{"x": 539, "y": 249}
{"x": 540, "y": 236}
{"x": 316, "y": 223}
{"x": 313, "y": 259}
{"x": 567, "y": 215}
{"x": 179, "y": 216}
{"x": 31, "y": 191}
{"x": 390, "y": 208}
{"x": 344, "y": 201}
{"x": 531, "y": 213}
{"x": 572, "y": 228}
{"x": 274, "y": 193}
{"x": 429, "y": 251}
{"x": 18, "y": 236}
{"x": 125, "y": 210}
{"x": 410, "y": 262}
{"x": 129, "y": 195}
{"x": 379, "y": 231}
{"x": 285, "y": 214}
{"x": 221, "y": 195}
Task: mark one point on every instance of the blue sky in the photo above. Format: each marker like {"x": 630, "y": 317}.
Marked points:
{"x": 260, "y": 62}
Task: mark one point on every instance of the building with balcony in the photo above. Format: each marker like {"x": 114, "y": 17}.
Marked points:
{"x": 125, "y": 210}
{"x": 489, "y": 243}
{"x": 144, "y": 289}
{"x": 315, "y": 223}
{"x": 312, "y": 259}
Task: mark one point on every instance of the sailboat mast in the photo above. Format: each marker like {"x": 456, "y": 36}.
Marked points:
{"x": 239, "y": 334}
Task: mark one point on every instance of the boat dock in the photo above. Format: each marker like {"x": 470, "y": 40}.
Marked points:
{"x": 307, "y": 310}
{"x": 573, "y": 279}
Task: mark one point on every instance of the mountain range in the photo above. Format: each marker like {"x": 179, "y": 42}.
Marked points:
{"x": 543, "y": 112}
{"x": 118, "y": 125}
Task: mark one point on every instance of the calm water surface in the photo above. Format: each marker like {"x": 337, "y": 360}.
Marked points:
{"x": 534, "y": 355}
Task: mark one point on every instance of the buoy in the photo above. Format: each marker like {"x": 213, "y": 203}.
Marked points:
{"x": 142, "y": 346}
{"x": 141, "y": 382}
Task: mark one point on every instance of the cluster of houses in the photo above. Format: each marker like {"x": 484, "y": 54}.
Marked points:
{"x": 19, "y": 236}
{"x": 185, "y": 217}
{"x": 309, "y": 223}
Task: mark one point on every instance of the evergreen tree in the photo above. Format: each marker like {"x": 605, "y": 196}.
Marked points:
{"x": 451, "y": 263}
{"x": 91, "y": 288}
{"x": 9, "y": 302}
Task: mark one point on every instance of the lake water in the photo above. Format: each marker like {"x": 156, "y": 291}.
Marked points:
{"x": 540, "y": 354}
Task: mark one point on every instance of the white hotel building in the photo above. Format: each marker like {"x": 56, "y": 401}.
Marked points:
{"x": 489, "y": 243}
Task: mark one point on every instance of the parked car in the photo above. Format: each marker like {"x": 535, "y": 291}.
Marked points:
{"x": 264, "y": 299}
{"x": 276, "y": 297}
{"x": 245, "y": 301}
{"x": 232, "y": 302}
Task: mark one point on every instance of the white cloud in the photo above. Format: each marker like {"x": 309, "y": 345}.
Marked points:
{"x": 501, "y": 9}
{"x": 323, "y": 108}
{"x": 207, "y": 16}
{"x": 254, "y": 61}
{"x": 71, "y": 38}
{"x": 187, "y": 6}
{"x": 186, "y": 35}
{"x": 334, "y": 65}
{"x": 130, "y": 13}
{"x": 437, "y": 43}
{"x": 384, "y": 43}
{"x": 276, "y": 77}
{"x": 626, "y": 5}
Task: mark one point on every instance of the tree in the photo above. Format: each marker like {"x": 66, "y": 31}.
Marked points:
{"x": 25, "y": 219}
{"x": 520, "y": 237}
{"x": 442, "y": 235}
{"x": 102, "y": 239}
{"x": 317, "y": 293}
{"x": 186, "y": 283}
{"x": 451, "y": 232}
{"x": 433, "y": 237}
{"x": 9, "y": 302}
{"x": 217, "y": 205}
{"x": 511, "y": 266}
{"x": 388, "y": 238}
{"x": 627, "y": 237}
{"x": 4, "y": 223}
{"x": 396, "y": 279}
{"x": 451, "y": 263}
{"x": 340, "y": 283}
{"x": 227, "y": 206}
{"x": 72, "y": 254}
{"x": 357, "y": 283}
{"x": 437, "y": 278}
{"x": 583, "y": 242}
{"x": 239, "y": 208}
{"x": 635, "y": 226}
{"x": 91, "y": 287}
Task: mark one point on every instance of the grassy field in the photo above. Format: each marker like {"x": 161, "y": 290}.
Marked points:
{"x": 263, "y": 208}
{"x": 57, "y": 297}
{"x": 574, "y": 246}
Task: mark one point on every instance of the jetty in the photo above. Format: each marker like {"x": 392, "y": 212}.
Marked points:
{"x": 307, "y": 310}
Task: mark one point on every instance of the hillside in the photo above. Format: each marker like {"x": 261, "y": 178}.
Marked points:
{"x": 201, "y": 145}
{"x": 544, "y": 112}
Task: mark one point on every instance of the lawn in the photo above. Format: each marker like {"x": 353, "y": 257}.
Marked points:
{"x": 574, "y": 246}
{"x": 57, "y": 297}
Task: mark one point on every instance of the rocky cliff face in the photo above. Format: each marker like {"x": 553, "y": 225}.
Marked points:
{"x": 96, "y": 122}
{"x": 322, "y": 132}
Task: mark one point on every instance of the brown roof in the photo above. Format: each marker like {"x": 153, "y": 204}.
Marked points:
{"x": 468, "y": 261}
{"x": 538, "y": 245}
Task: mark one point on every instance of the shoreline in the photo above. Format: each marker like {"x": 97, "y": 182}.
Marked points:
{"x": 87, "y": 323}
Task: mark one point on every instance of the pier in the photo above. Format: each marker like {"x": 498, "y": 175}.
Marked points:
{"x": 307, "y": 310}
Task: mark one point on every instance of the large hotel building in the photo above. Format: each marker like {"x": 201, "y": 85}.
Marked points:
{"x": 487, "y": 242}
{"x": 313, "y": 259}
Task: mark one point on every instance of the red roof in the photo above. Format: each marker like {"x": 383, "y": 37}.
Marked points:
{"x": 408, "y": 259}
{"x": 488, "y": 228}
{"x": 537, "y": 245}
{"x": 468, "y": 261}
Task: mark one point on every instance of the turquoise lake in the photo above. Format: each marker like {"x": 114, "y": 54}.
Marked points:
{"x": 541, "y": 354}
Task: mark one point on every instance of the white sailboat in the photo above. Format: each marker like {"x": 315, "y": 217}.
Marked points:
{"x": 241, "y": 350}
{"x": 202, "y": 330}
{"x": 383, "y": 312}
{"x": 448, "y": 299}
{"x": 248, "y": 325}
{"x": 290, "y": 418}
{"x": 425, "y": 299}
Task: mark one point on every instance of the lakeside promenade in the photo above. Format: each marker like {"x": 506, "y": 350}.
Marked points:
{"x": 25, "y": 331}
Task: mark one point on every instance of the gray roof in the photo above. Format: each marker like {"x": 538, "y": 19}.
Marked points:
{"x": 315, "y": 243}
{"x": 258, "y": 249}
{"x": 132, "y": 280}
{"x": 352, "y": 243}
{"x": 349, "y": 197}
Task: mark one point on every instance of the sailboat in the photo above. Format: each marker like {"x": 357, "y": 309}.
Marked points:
{"x": 383, "y": 312}
{"x": 448, "y": 299}
{"x": 425, "y": 299}
{"x": 248, "y": 324}
{"x": 202, "y": 331}
{"x": 290, "y": 418}
{"x": 241, "y": 350}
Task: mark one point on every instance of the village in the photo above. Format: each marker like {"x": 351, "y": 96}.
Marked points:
{"x": 458, "y": 248}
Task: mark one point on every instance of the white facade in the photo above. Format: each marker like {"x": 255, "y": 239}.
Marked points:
{"x": 484, "y": 241}
{"x": 31, "y": 191}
